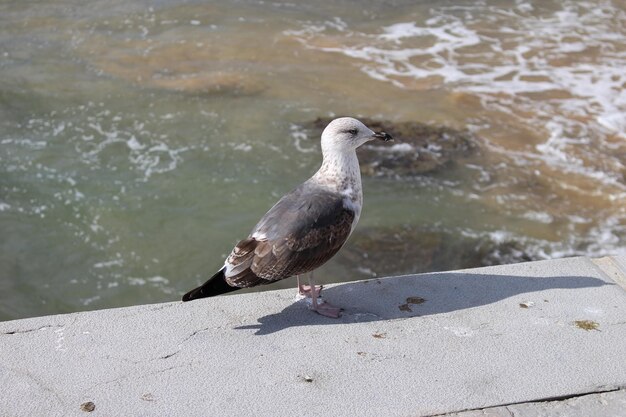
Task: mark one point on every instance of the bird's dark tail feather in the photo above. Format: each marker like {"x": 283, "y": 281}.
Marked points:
{"x": 216, "y": 285}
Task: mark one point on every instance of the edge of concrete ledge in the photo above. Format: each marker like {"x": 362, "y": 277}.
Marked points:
{"x": 530, "y": 338}
{"x": 614, "y": 267}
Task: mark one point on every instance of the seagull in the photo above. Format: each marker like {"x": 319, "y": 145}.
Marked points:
{"x": 306, "y": 227}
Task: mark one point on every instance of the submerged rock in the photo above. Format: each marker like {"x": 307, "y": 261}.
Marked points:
{"x": 410, "y": 250}
{"x": 208, "y": 83}
{"x": 186, "y": 67}
{"x": 417, "y": 149}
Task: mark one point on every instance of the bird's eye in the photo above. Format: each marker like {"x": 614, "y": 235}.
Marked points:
{"x": 352, "y": 132}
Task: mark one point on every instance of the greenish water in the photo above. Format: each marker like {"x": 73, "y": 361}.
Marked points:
{"x": 139, "y": 140}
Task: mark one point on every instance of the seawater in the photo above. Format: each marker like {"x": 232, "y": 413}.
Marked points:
{"x": 139, "y": 140}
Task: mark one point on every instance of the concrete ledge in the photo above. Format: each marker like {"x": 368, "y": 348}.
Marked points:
{"x": 606, "y": 404}
{"x": 414, "y": 345}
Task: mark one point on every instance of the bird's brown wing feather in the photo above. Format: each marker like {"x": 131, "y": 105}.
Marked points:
{"x": 299, "y": 234}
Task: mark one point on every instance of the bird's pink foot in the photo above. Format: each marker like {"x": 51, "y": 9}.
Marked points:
{"x": 312, "y": 294}
{"x": 326, "y": 309}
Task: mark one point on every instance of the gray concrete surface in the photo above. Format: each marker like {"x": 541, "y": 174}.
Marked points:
{"x": 480, "y": 338}
{"x": 606, "y": 404}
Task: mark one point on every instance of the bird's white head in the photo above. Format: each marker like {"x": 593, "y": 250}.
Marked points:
{"x": 347, "y": 134}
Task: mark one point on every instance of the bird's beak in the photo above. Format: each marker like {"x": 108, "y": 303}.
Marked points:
{"x": 382, "y": 136}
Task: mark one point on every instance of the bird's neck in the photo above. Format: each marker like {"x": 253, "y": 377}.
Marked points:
{"x": 340, "y": 172}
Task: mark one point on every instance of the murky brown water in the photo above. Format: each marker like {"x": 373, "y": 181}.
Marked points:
{"x": 139, "y": 140}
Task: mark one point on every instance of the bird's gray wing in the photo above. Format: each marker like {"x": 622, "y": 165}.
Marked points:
{"x": 300, "y": 233}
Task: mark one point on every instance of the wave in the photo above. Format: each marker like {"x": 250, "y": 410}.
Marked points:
{"x": 559, "y": 71}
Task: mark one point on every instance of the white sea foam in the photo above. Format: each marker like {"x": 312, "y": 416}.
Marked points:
{"x": 540, "y": 217}
{"x": 395, "y": 148}
{"x": 299, "y": 136}
{"x": 136, "y": 281}
{"x": 245, "y": 147}
{"x": 601, "y": 240}
{"x": 401, "y": 148}
{"x": 155, "y": 281}
{"x": 108, "y": 264}
{"x": 504, "y": 56}
{"x": 31, "y": 144}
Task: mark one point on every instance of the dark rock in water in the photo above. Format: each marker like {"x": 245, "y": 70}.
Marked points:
{"x": 410, "y": 250}
{"x": 417, "y": 149}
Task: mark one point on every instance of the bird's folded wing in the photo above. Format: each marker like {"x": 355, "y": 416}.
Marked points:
{"x": 300, "y": 233}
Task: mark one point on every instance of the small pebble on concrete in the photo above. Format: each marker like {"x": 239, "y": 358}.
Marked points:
{"x": 88, "y": 406}
{"x": 587, "y": 324}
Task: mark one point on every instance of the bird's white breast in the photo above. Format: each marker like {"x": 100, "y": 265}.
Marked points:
{"x": 353, "y": 200}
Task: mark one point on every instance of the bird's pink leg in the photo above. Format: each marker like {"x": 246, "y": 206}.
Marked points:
{"x": 306, "y": 289}
{"x": 320, "y": 306}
